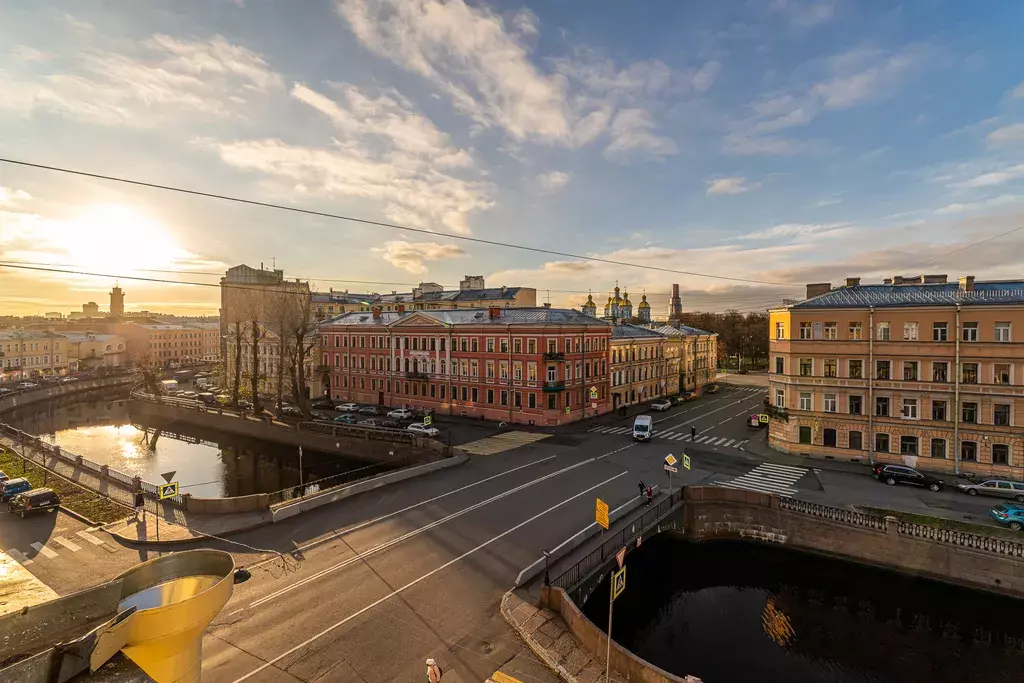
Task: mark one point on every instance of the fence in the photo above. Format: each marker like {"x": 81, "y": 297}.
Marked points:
{"x": 327, "y": 483}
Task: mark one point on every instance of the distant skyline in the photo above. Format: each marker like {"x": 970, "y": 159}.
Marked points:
{"x": 787, "y": 141}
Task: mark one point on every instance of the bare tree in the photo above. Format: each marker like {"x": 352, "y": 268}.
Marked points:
{"x": 300, "y": 333}
{"x": 237, "y": 333}
{"x": 148, "y": 373}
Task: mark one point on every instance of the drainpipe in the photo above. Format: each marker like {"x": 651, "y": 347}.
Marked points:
{"x": 511, "y": 372}
{"x": 871, "y": 386}
{"x": 448, "y": 373}
{"x": 956, "y": 398}
{"x": 583, "y": 392}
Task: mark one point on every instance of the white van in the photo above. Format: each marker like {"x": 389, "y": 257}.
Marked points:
{"x": 643, "y": 427}
{"x": 168, "y": 386}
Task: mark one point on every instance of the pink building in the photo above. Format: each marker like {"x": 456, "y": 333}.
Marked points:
{"x": 543, "y": 366}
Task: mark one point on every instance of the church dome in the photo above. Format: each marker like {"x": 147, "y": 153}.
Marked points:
{"x": 643, "y": 302}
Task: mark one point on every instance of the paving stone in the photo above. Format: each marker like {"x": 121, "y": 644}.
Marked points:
{"x": 535, "y": 622}
{"x": 577, "y": 660}
{"x": 553, "y": 628}
{"x": 565, "y": 644}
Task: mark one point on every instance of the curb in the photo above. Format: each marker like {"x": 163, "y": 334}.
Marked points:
{"x": 541, "y": 653}
{"x": 128, "y": 540}
{"x": 80, "y": 517}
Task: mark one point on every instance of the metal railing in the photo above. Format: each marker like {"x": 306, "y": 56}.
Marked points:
{"x": 325, "y": 484}
{"x": 557, "y": 385}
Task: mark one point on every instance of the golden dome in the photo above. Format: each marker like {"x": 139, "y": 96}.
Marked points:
{"x": 643, "y": 302}
{"x": 625, "y": 299}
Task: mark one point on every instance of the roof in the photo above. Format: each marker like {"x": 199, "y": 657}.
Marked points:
{"x": 474, "y": 316}
{"x": 945, "y": 294}
{"x": 362, "y": 318}
{"x": 89, "y": 336}
{"x": 634, "y": 332}
{"x": 28, "y": 334}
{"x": 680, "y": 331}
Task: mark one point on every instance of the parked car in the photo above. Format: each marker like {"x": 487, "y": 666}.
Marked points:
{"x": 223, "y": 399}
{"x": 676, "y": 400}
{"x": 423, "y": 429}
{"x": 3, "y": 477}
{"x": 689, "y": 396}
{"x": 244, "y": 403}
{"x": 348, "y": 408}
{"x": 661, "y": 404}
{"x": 369, "y": 410}
{"x": 712, "y": 389}
{"x": 207, "y": 398}
{"x": 999, "y": 488}
{"x": 27, "y": 385}
{"x": 4, "y": 390}
{"x": 322, "y": 405}
{"x": 401, "y": 414}
{"x": 390, "y": 422}
{"x": 36, "y": 500}
{"x": 372, "y": 422}
{"x": 12, "y": 487}
{"x": 190, "y": 394}
{"x": 347, "y": 419}
{"x": 901, "y": 474}
{"x": 68, "y": 380}
{"x": 318, "y": 415}
{"x": 290, "y": 411}
{"x": 1008, "y": 515}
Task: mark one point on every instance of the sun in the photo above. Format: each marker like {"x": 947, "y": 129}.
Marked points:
{"x": 118, "y": 238}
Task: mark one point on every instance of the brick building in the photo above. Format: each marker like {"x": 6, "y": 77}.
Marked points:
{"x": 523, "y": 365}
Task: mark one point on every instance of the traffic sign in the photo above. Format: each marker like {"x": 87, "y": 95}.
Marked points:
{"x": 620, "y": 556}
{"x": 427, "y": 420}
{"x": 601, "y": 513}
{"x": 669, "y": 468}
{"x": 670, "y": 460}
{"x": 593, "y": 404}
{"x": 618, "y": 583}
{"x": 169, "y": 476}
{"x": 686, "y": 461}
{"x": 168, "y": 490}
{"x": 568, "y": 410}
{"x": 593, "y": 393}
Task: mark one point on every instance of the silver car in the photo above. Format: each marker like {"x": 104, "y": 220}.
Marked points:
{"x": 998, "y": 488}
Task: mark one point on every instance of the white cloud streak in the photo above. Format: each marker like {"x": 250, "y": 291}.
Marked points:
{"x": 1006, "y": 134}
{"x": 413, "y": 256}
{"x": 553, "y": 180}
{"x": 728, "y": 186}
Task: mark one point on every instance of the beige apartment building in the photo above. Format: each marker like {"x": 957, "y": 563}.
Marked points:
{"x": 30, "y": 354}
{"x": 918, "y": 371}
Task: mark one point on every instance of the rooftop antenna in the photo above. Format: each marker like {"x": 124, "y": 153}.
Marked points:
{"x": 273, "y": 260}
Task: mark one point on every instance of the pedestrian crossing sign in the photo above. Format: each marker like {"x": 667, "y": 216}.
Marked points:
{"x": 593, "y": 393}
{"x": 168, "y": 490}
{"x": 618, "y": 583}
{"x": 427, "y": 420}
{"x": 686, "y": 461}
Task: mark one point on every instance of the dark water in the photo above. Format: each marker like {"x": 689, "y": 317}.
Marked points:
{"x": 735, "y": 612}
{"x": 209, "y": 464}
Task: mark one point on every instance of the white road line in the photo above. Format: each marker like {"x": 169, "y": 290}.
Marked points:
{"x": 702, "y": 415}
{"x": 19, "y": 556}
{"x": 720, "y": 441}
{"x": 740, "y": 444}
{"x": 668, "y": 435}
{"x": 680, "y": 437}
{"x": 73, "y": 547}
{"x": 89, "y": 537}
{"x": 729, "y": 443}
{"x": 412, "y": 583}
{"x": 700, "y": 439}
{"x": 783, "y": 468}
{"x": 43, "y": 550}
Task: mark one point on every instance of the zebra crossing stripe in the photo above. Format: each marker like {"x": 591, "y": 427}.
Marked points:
{"x": 668, "y": 435}
{"x": 679, "y": 437}
{"x": 43, "y": 550}
{"x": 73, "y": 547}
{"x": 720, "y": 441}
{"x": 729, "y": 443}
{"x": 17, "y": 555}
{"x": 89, "y": 537}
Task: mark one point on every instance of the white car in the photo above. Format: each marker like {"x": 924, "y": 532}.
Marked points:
{"x": 400, "y": 414}
{"x": 27, "y": 385}
{"x": 348, "y": 407}
{"x": 423, "y": 429}
{"x": 662, "y": 404}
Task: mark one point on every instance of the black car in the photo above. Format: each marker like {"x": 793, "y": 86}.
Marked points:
{"x": 36, "y": 500}
{"x": 322, "y": 405}
{"x": 901, "y": 474}
{"x": 369, "y": 410}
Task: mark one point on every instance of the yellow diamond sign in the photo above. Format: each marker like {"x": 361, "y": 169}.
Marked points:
{"x": 670, "y": 460}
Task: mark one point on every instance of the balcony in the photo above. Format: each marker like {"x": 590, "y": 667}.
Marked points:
{"x": 416, "y": 375}
{"x": 557, "y": 385}
{"x": 554, "y": 355}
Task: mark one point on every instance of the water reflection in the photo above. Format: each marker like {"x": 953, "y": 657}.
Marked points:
{"x": 732, "y": 612}
{"x": 210, "y": 464}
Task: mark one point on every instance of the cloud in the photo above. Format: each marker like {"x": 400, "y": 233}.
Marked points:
{"x": 995, "y": 177}
{"x": 553, "y": 180}
{"x": 705, "y": 76}
{"x": 10, "y": 197}
{"x": 877, "y": 78}
{"x": 165, "y": 77}
{"x": 412, "y": 256}
{"x": 1018, "y": 92}
{"x": 1012, "y": 133}
{"x": 742, "y": 145}
{"x": 805, "y": 14}
{"x": 733, "y": 185}
{"x": 785, "y": 230}
{"x": 966, "y": 207}
{"x": 633, "y": 136}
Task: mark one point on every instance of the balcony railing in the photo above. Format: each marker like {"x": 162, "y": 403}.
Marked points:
{"x": 557, "y": 385}
{"x": 554, "y": 355}
{"x": 416, "y": 375}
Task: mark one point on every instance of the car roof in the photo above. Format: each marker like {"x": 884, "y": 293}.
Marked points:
{"x": 18, "y": 480}
{"x": 37, "y": 492}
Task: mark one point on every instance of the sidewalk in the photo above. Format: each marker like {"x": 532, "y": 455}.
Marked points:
{"x": 758, "y": 445}
{"x": 174, "y": 527}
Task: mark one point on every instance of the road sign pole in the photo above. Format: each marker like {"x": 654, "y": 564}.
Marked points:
{"x": 608, "y": 647}
{"x": 300, "y": 465}
{"x": 669, "y": 484}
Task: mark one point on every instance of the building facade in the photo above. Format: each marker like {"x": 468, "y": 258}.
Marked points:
{"x": 271, "y": 368}
{"x": 639, "y": 367}
{"x": 519, "y": 365}
{"x": 918, "y": 371}
{"x": 185, "y": 344}
{"x": 691, "y": 354}
{"x": 31, "y": 354}
{"x": 89, "y": 351}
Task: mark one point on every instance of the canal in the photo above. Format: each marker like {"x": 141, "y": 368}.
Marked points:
{"x": 209, "y": 464}
{"x": 744, "y": 612}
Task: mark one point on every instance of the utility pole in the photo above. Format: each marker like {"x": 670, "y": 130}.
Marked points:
{"x": 300, "y": 466}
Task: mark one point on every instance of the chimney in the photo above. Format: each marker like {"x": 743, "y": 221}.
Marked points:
{"x": 897, "y": 279}
{"x": 493, "y": 312}
{"x": 547, "y": 304}
{"x": 853, "y": 282}
{"x": 503, "y": 290}
{"x": 377, "y": 312}
{"x": 967, "y": 283}
{"x": 400, "y": 308}
{"x": 934, "y": 279}
{"x": 818, "y": 289}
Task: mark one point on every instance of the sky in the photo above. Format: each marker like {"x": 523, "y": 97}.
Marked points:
{"x": 752, "y": 146}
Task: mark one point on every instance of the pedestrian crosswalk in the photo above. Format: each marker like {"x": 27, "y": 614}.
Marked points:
{"x": 501, "y": 442}
{"x": 56, "y": 547}
{"x": 705, "y": 439}
{"x": 768, "y": 478}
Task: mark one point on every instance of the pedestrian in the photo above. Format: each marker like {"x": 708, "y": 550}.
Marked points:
{"x": 433, "y": 672}
{"x": 650, "y": 495}
{"x": 140, "y": 505}
{"x": 693, "y": 433}
{"x": 643, "y": 487}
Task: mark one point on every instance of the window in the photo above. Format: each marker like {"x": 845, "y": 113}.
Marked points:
{"x": 908, "y": 445}
{"x": 882, "y": 332}
{"x": 939, "y": 410}
{"x": 504, "y": 398}
{"x": 856, "y": 440}
{"x": 805, "y": 435}
{"x": 1001, "y": 373}
{"x": 940, "y": 371}
{"x": 473, "y": 345}
{"x": 517, "y": 346}
{"x": 805, "y": 400}
{"x": 806, "y": 367}
{"x": 828, "y": 437}
{"x": 1001, "y": 414}
{"x": 910, "y": 408}
{"x": 1002, "y": 332}
{"x": 551, "y": 373}
{"x": 882, "y": 369}
{"x": 531, "y": 346}
{"x": 881, "y": 443}
{"x": 1000, "y": 454}
{"x": 490, "y": 395}
{"x": 970, "y": 332}
{"x": 490, "y": 345}
{"x": 805, "y": 330}
{"x": 969, "y": 413}
{"x": 552, "y": 398}
{"x": 830, "y": 367}
{"x": 830, "y": 331}
{"x": 780, "y": 330}
{"x": 938, "y": 449}
{"x": 531, "y": 401}
{"x": 856, "y": 369}
{"x": 531, "y": 372}
{"x": 780, "y": 365}
{"x": 940, "y": 332}
{"x": 855, "y": 405}
{"x": 830, "y": 403}
{"x": 882, "y": 406}
{"x": 856, "y": 331}
{"x": 910, "y": 370}
{"x": 969, "y": 451}
{"x": 969, "y": 373}
{"x": 780, "y": 398}
{"x": 503, "y": 345}
{"x": 909, "y": 331}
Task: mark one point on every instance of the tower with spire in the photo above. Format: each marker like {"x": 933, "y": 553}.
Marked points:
{"x": 117, "y": 301}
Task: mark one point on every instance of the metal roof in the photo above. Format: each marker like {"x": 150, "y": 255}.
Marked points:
{"x": 634, "y": 332}
{"x": 475, "y": 316}
{"x": 946, "y": 294}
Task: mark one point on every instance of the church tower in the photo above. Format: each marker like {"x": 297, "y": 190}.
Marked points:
{"x": 117, "y": 301}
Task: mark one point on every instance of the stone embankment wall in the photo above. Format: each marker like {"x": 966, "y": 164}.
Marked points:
{"x": 24, "y": 397}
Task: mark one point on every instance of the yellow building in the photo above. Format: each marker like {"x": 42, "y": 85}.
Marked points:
{"x": 691, "y": 354}
{"x": 185, "y": 343}
{"x": 30, "y": 354}
{"x": 639, "y": 369}
{"x": 89, "y": 350}
{"x": 918, "y": 371}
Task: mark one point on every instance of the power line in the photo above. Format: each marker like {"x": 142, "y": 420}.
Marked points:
{"x": 364, "y": 221}
{"x": 969, "y": 246}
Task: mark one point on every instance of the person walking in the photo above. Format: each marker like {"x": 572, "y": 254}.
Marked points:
{"x": 693, "y": 433}
{"x": 140, "y": 505}
{"x": 650, "y": 495}
{"x": 433, "y": 672}
{"x": 642, "y": 486}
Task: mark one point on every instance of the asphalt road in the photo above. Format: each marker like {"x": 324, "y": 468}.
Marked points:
{"x": 373, "y": 586}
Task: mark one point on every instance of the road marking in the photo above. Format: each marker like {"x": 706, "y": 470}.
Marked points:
{"x": 729, "y": 443}
{"x": 363, "y": 525}
{"x": 414, "y": 582}
{"x": 67, "y": 544}
{"x": 720, "y": 441}
{"x": 43, "y": 550}
{"x": 19, "y": 556}
{"x": 499, "y": 677}
{"x": 501, "y": 442}
{"x": 700, "y": 439}
{"x": 680, "y": 437}
{"x": 768, "y": 478}
{"x": 702, "y": 415}
{"x": 89, "y": 537}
